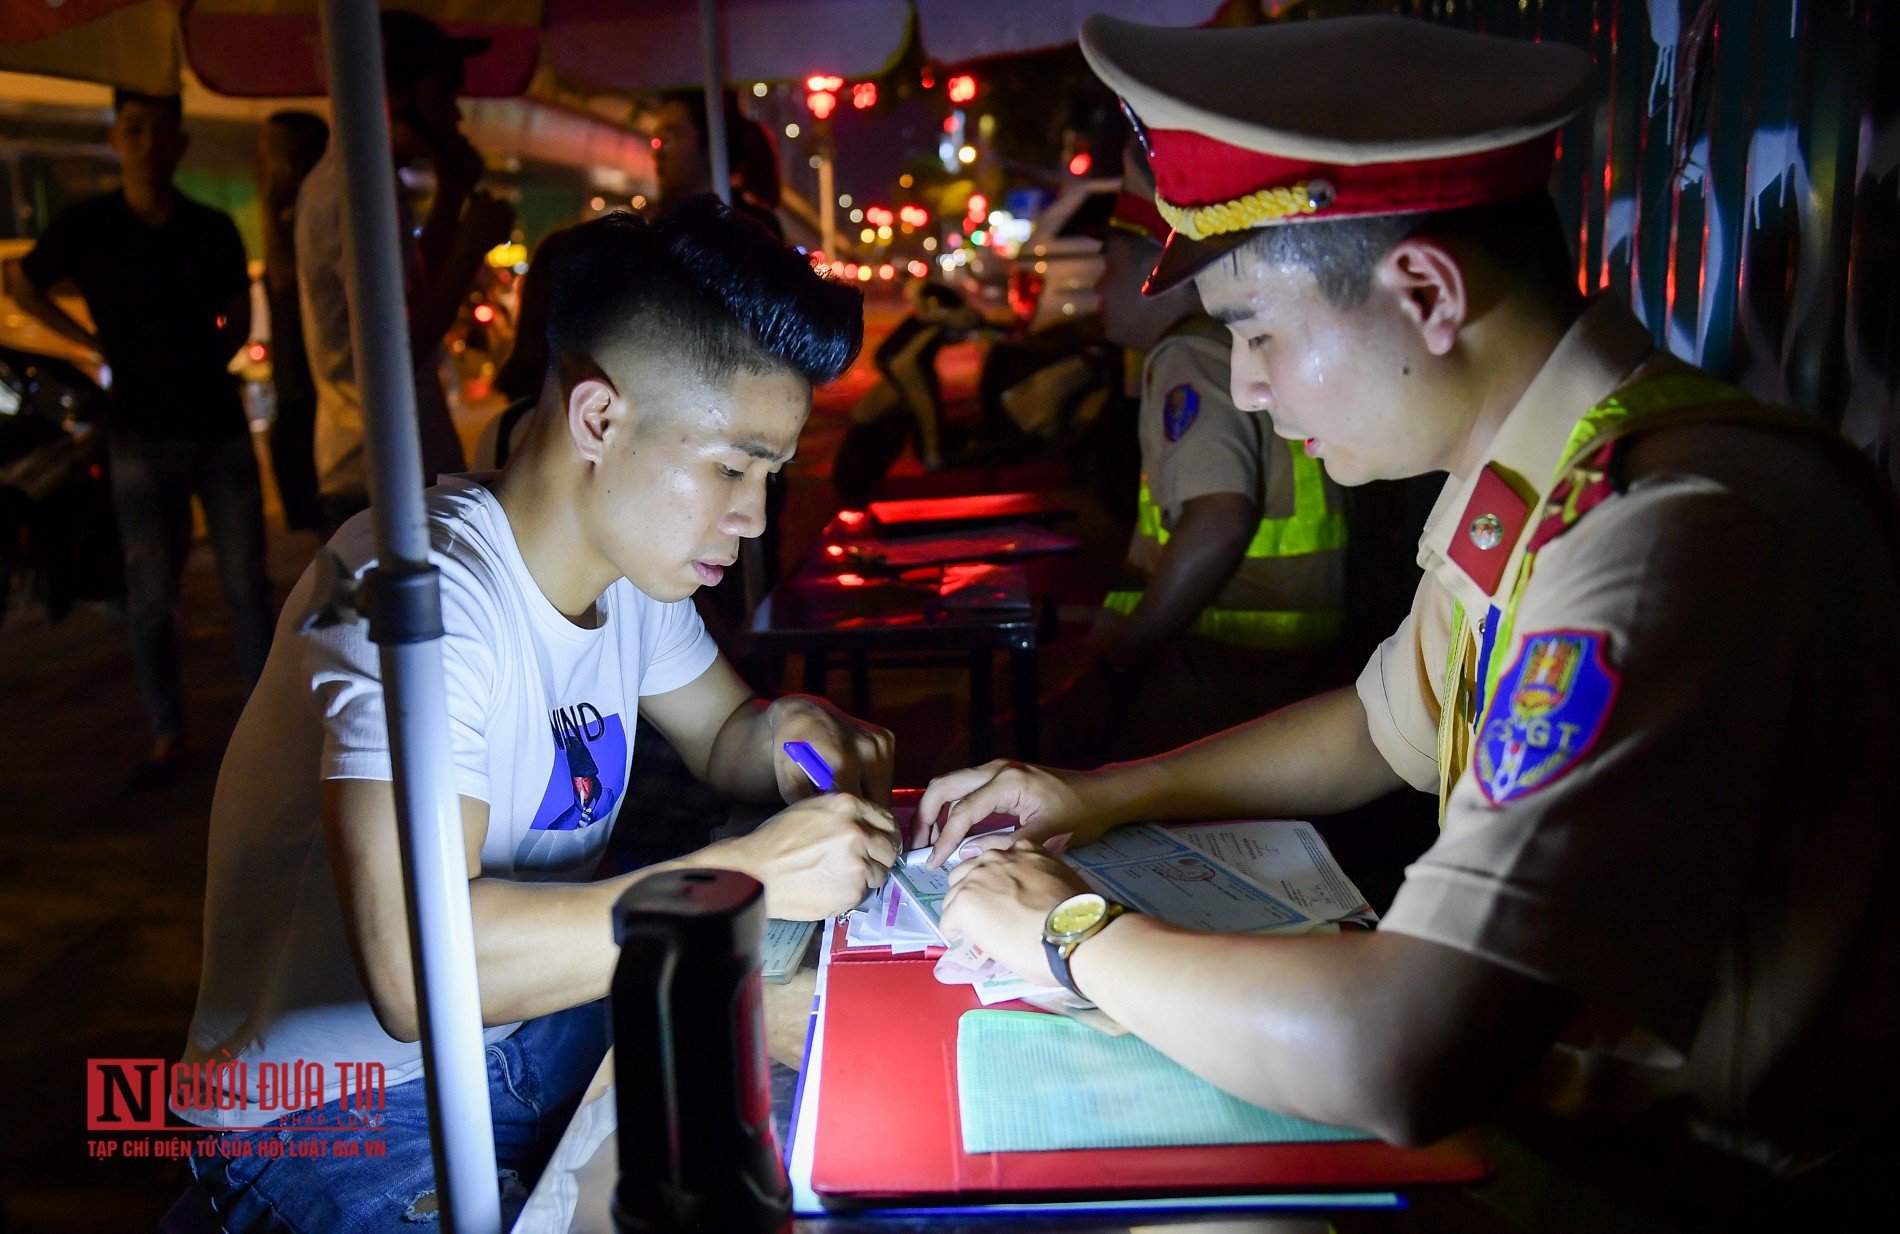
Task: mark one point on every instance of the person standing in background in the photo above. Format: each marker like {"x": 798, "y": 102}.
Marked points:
{"x": 288, "y": 146}
{"x": 422, "y": 73}
{"x": 167, "y": 286}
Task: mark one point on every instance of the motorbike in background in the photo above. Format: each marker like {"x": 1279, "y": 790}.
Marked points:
{"x": 59, "y": 541}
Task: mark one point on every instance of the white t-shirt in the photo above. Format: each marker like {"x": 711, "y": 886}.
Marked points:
{"x": 541, "y": 721}
{"x": 321, "y": 257}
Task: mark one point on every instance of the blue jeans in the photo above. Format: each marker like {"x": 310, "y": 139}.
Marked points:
{"x": 152, "y": 483}
{"x": 535, "y": 1081}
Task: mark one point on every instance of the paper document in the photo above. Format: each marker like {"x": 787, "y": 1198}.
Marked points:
{"x": 1289, "y": 859}
{"x": 926, "y": 887}
{"x": 1152, "y": 871}
{"x": 784, "y": 948}
{"x": 1033, "y": 1083}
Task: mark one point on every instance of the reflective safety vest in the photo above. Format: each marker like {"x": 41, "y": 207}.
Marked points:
{"x": 1480, "y": 650}
{"x": 1311, "y": 528}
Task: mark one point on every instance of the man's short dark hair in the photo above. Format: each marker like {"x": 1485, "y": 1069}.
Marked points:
{"x": 1522, "y": 237}
{"x": 306, "y": 134}
{"x": 172, "y": 103}
{"x": 706, "y": 284}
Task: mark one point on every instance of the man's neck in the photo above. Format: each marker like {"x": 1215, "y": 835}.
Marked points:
{"x": 1507, "y": 351}
{"x": 534, "y": 493}
{"x": 152, "y": 203}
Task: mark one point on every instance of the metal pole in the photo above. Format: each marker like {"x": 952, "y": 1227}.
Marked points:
{"x": 403, "y": 599}
{"x": 712, "y": 61}
{"x": 827, "y": 204}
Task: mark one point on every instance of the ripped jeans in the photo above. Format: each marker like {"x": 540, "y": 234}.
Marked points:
{"x": 536, "y": 1078}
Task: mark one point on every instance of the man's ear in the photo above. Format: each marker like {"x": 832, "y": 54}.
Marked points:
{"x": 593, "y": 407}
{"x": 1429, "y": 285}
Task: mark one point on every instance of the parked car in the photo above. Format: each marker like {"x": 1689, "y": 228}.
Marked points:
{"x": 1053, "y": 277}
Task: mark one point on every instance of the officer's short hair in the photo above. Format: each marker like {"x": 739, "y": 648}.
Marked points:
{"x": 705, "y": 284}
{"x": 1522, "y": 237}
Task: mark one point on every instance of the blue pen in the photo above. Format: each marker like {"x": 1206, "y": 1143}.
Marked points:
{"x": 816, "y": 769}
{"x": 812, "y": 763}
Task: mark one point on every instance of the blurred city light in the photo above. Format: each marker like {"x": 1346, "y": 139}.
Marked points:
{"x": 484, "y": 313}
{"x": 791, "y": 130}
{"x": 758, "y": 90}
{"x": 864, "y": 95}
{"x": 1080, "y": 164}
{"x": 966, "y": 155}
{"x": 961, "y": 88}
{"x": 887, "y": 271}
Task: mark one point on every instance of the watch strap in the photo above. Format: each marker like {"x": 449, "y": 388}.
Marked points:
{"x": 1059, "y": 953}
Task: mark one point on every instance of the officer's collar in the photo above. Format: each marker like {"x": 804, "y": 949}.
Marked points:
{"x": 1476, "y": 531}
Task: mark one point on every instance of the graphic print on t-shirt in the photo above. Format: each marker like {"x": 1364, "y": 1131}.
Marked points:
{"x": 585, "y": 783}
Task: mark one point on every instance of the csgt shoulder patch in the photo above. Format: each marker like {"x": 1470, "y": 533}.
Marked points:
{"x": 1549, "y": 708}
{"x": 1179, "y": 409}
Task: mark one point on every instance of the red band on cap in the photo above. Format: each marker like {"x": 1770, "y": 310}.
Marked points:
{"x": 1192, "y": 169}
{"x": 1137, "y": 213}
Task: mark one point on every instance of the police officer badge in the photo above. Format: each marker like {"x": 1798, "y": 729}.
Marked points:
{"x": 1548, "y": 709}
{"x": 1179, "y": 409}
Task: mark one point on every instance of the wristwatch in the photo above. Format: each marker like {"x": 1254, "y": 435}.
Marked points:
{"x": 1077, "y": 918}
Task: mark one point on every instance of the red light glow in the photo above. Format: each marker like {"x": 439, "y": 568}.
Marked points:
{"x": 961, "y": 88}
{"x": 834, "y": 550}
{"x": 864, "y": 95}
{"x": 979, "y": 208}
{"x": 1080, "y": 164}
{"x": 887, "y": 272}
{"x": 256, "y": 353}
{"x": 949, "y": 124}
{"x": 850, "y": 580}
{"x": 655, "y": 143}
{"x": 879, "y": 216}
{"x": 823, "y": 81}
{"x": 484, "y": 313}
{"x": 851, "y": 518}
{"x": 915, "y": 216}
{"x": 822, "y": 103}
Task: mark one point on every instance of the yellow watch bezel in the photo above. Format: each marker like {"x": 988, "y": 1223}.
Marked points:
{"x": 1052, "y": 927}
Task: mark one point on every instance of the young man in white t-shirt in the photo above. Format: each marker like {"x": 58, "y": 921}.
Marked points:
{"x": 683, "y": 355}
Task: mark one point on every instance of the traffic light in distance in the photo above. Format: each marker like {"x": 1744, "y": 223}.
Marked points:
{"x": 961, "y": 88}
{"x": 864, "y": 95}
{"x": 821, "y": 98}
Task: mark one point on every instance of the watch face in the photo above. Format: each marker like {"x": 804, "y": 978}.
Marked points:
{"x": 1076, "y": 914}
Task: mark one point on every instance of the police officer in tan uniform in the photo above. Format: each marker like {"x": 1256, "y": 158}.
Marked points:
{"x": 1236, "y": 568}
{"x": 1652, "y": 671}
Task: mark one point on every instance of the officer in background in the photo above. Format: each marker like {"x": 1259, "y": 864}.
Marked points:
{"x": 1236, "y": 571}
{"x": 1652, "y": 673}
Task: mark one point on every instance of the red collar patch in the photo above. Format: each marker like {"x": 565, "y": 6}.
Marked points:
{"x": 1488, "y": 529}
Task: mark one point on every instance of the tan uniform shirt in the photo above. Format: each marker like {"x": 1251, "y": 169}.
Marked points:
{"x": 1195, "y": 442}
{"x": 1712, "y": 877}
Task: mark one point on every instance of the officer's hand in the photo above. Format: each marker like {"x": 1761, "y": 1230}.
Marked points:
{"x": 1044, "y": 801}
{"x": 999, "y": 900}
{"x": 860, "y": 755}
{"x": 818, "y": 857}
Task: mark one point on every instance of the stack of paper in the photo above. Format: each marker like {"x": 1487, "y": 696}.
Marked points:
{"x": 890, "y": 918}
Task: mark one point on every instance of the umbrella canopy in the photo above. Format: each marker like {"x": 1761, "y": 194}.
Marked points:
{"x": 271, "y": 48}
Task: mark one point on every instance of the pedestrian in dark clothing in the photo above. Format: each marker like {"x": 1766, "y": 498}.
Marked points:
{"x": 288, "y": 146}
{"x": 166, "y": 284}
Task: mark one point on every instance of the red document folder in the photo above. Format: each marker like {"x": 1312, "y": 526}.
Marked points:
{"x": 888, "y": 1127}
